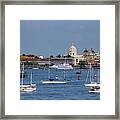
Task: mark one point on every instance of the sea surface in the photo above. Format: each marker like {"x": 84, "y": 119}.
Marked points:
{"x": 74, "y": 89}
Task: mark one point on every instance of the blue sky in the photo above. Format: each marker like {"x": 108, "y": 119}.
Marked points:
{"x": 53, "y": 37}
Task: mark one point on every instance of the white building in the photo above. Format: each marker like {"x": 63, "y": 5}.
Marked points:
{"x": 87, "y": 55}
{"x": 76, "y": 57}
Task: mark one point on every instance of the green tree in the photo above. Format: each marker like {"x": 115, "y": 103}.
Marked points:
{"x": 23, "y": 55}
{"x": 58, "y": 56}
{"x": 69, "y": 56}
{"x": 51, "y": 56}
{"x": 82, "y": 63}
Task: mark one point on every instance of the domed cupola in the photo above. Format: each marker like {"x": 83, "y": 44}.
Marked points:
{"x": 72, "y": 51}
{"x": 85, "y": 51}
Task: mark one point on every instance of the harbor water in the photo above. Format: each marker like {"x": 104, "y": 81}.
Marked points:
{"x": 74, "y": 89}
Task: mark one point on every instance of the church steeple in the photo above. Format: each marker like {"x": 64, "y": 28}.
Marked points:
{"x": 72, "y": 50}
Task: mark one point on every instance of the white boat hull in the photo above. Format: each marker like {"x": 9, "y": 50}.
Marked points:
{"x": 62, "y": 68}
{"x": 53, "y": 82}
{"x": 92, "y": 85}
{"x": 27, "y": 88}
{"x": 35, "y": 68}
{"x": 96, "y": 91}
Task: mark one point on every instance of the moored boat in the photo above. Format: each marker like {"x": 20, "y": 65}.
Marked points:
{"x": 27, "y": 87}
{"x": 62, "y": 66}
{"x": 56, "y": 80}
{"x": 53, "y": 82}
{"x": 92, "y": 85}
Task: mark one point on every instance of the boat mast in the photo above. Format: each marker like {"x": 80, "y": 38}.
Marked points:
{"x": 65, "y": 67}
{"x": 90, "y": 72}
{"x": 98, "y": 80}
{"x": 87, "y": 77}
{"x": 92, "y": 75}
{"x": 22, "y": 73}
{"x": 49, "y": 68}
{"x": 31, "y": 78}
{"x": 65, "y": 70}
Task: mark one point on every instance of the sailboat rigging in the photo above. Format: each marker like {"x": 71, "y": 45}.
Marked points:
{"x": 27, "y": 87}
{"x": 53, "y": 81}
{"x": 94, "y": 87}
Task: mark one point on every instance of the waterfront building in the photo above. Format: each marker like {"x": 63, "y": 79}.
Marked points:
{"x": 61, "y": 60}
{"x": 89, "y": 56}
{"x": 76, "y": 57}
{"x": 37, "y": 62}
{"x": 72, "y": 58}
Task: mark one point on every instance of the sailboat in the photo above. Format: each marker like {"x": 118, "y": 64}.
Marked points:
{"x": 27, "y": 87}
{"x": 53, "y": 81}
{"x": 93, "y": 86}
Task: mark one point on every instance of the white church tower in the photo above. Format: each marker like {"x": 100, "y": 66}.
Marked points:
{"x": 72, "y": 51}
